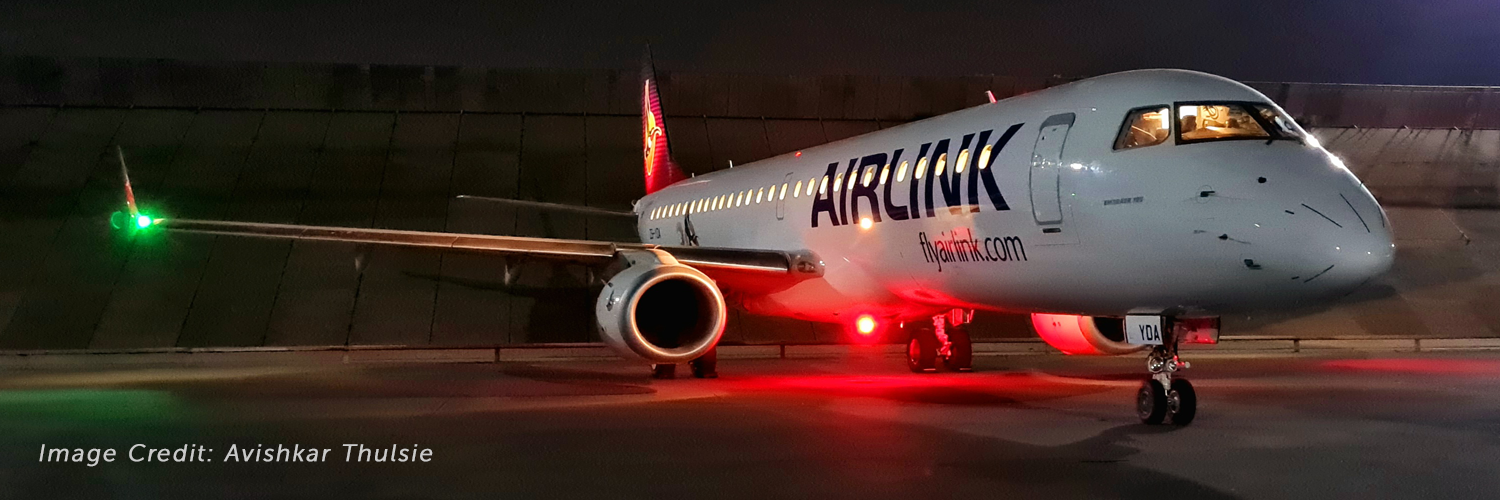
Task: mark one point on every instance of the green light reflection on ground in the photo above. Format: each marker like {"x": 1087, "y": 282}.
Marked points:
{"x": 90, "y": 405}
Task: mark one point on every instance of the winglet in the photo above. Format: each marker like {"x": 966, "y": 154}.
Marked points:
{"x": 125, "y": 174}
{"x": 132, "y": 216}
{"x": 990, "y": 95}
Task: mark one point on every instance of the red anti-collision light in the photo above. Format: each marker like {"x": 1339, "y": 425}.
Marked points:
{"x": 865, "y": 325}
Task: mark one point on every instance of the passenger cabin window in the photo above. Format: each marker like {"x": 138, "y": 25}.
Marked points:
{"x": 797, "y": 189}
{"x": 1145, "y": 127}
{"x": 1214, "y": 122}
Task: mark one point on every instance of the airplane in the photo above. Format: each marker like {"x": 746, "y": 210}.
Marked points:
{"x": 1124, "y": 213}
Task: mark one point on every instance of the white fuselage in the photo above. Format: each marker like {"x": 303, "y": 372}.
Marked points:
{"x": 1173, "y": 228}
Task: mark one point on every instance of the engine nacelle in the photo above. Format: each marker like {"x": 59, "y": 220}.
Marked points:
{"x": 1083, "y": 335}
{"x": 660, "y": 310}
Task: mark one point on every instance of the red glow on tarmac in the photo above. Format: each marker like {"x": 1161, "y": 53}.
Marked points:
{"x": 995, "y": 388}
{"x": 1418, "y": 366}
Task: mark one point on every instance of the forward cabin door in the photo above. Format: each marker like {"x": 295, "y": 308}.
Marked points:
{"x": 1046, "y": 174}
{"x": 1046, "y": 165}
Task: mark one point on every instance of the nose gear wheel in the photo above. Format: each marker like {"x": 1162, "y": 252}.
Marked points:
{"x": 1163, "y": 397}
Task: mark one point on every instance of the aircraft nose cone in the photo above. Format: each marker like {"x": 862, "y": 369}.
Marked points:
{"x": 1344, "y": 258}
{"x": 1362, "y": 257}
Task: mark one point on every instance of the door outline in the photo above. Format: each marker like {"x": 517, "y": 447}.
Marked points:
{"x": 781, "y": 201}
{"x": 1045, "y": 179}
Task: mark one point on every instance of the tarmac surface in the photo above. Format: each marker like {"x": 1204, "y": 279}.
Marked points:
{"x": 1332, "y": 425}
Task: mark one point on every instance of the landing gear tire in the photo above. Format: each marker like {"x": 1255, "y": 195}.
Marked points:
{"x": 960, "y": 354}
{"x": 707, "y": 365}
{"x": 1151, "y": 402}
{"x": 921, "y": 351}
{"x": 665, "y": 371}
{"x": 1182, "y": 401}
{"x": 1164, "y": 396}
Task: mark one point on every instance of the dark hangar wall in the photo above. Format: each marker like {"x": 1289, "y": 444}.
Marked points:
{"x": 389, "y": 146}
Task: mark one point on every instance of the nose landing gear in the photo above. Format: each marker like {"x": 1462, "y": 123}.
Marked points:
{"x": 947, "y": 339}
{"x": 1162, "y": 397}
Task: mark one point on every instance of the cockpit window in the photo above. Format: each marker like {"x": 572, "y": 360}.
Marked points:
{"x": 1215, "y": 121}
{"x": 1145, "y": 127}
{"x": 1279, "y": 122}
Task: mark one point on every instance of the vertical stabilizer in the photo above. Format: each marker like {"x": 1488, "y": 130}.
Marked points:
{"x": 661, "y": 171}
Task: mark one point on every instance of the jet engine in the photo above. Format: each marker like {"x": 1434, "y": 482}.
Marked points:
{"x": 1083, "y": 335}
{"x": 660, "y": 310}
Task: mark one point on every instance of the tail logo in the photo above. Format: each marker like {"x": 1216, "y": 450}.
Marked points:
{"x": 653, "y": 131}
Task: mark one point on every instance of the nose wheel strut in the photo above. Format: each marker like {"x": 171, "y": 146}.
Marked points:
{"x": 1163, "y": 397}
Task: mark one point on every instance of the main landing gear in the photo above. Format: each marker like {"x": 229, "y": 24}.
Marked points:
{"x": 945, "y": 339}
{"x": 1162, "y": 397}
{"x": 706, "y": 366}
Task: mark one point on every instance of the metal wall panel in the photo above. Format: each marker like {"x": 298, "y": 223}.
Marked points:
{"x": 688, "y": 139}
{"x": 46, "y": 191}
{"x": 240, "y": 282}
{"x": 399, "y": 286}
{"x": 473, "y": 306}
{"x": 615, "y": 174}
{"x": 315, "y": 288}
{"x": 294, "y": 86}
{"x": 20, "y": 129}
{"x": 786, "y": 136}
{"x": 738, "y": 139}
{"x": 844, "y": 129}
{"x": 552, "y": 169}
{"x": 73, "y": 285}
{"x": 161, "y": 281}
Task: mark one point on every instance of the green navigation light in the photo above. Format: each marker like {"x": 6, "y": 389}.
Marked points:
{"x": 142, "y": 221}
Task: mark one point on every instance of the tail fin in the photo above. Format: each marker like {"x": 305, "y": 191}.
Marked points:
{"x": 661, "y": 171}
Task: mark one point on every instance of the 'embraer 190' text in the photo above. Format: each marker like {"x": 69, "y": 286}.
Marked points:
{"x": 932, "y": 167}
{"x": 960, "y": 245}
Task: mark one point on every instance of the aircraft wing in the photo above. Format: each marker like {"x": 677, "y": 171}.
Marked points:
{"x": 739, "y": 269}
{"x": 745, "y": 270}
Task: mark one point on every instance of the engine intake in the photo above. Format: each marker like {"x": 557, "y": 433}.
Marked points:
{"x": 1083, "y": 335}
{"x": 660, "y": 310}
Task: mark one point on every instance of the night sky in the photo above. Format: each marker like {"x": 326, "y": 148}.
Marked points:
{"x": 1449, "y": 42}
